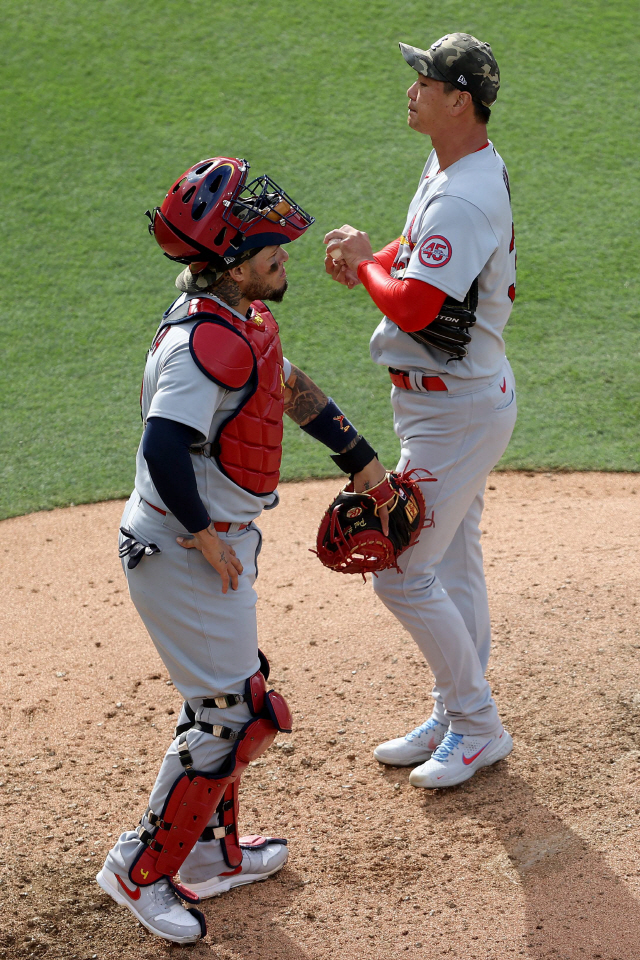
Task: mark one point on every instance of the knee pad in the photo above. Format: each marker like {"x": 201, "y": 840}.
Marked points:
{"x": 195, "y": 795}
{"x": 254, "y": 691}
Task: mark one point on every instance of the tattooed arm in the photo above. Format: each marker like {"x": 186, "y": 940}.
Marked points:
{"x": 318, "y": 415}
{"x": 303, "y": 399}
{"x": 305, "y": 403}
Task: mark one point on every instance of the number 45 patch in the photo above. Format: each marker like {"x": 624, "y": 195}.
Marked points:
{"x": 435, "y": 251}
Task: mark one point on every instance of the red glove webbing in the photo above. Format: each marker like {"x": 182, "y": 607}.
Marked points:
{"x": 411, "y": 304}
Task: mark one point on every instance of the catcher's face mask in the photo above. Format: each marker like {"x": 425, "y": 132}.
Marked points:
{"x": 211, "y": 214}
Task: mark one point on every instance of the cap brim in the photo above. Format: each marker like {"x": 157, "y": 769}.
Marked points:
{"x": 421, "y": 61}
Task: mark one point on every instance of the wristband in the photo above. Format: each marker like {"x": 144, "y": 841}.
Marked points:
{"x": 356, "y": 459}
{"x": 332, "y": 428}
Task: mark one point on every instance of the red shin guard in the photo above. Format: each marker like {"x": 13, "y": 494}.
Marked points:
{"x": 195, "y": 796}
{"x": 186, "y": 812}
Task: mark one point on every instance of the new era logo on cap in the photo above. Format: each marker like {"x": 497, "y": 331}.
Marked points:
{"x": 461, "y": 79}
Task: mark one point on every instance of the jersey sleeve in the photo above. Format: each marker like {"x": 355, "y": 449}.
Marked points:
{"x": 165, "y": 447}
{"x": 184, "y": 393}
{"x": 454, "y": 242}
{"x": 286, "y": 368}
{"x": 411, "y": 304}
{"x": 388, "y": 254}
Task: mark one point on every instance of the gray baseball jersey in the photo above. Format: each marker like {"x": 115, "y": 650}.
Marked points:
{"x": 174, "y": 388}
{"x": 459, "y": 227}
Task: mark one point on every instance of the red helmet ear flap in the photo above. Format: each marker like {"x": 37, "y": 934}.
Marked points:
{"x": 174, "y": 246}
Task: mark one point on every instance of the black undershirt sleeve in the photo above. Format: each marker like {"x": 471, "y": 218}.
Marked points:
{"x": 165, "y": 447}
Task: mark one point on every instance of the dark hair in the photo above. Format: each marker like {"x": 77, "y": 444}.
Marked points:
{"x": 482, "y": 113}
{"x": 224, "y": 279}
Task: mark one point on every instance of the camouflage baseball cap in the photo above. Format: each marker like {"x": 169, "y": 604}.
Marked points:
{"x": 461, "y": 60}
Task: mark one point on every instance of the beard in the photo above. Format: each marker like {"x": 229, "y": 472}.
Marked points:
{"x": 260, "y": 288}
{"x": 275, "y": 295}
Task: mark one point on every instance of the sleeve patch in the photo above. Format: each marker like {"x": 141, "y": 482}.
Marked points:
{"x": 221, "y": 353}
{"x": 435, "y": 251}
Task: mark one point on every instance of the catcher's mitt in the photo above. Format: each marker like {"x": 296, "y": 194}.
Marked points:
{"x": 350, "y": 537}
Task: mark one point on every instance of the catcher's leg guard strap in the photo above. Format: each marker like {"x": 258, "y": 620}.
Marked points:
{"x": 188, "y": 723}
{"x": 253, "y": 696}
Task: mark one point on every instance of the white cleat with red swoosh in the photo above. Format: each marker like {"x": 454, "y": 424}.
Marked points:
{"x": 157, "y": 907}
{"x": 458, "y": 757}
{"x": 416, "y": 747}
{"x": 261, "y": 858}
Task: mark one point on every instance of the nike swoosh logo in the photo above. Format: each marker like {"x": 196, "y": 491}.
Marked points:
{"x": 468, "y": 760}
{"x": 503, "y": 385}
{"x": 133, "y": 894}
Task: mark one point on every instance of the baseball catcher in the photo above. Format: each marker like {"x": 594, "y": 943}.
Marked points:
{"x": 215, "y": 389}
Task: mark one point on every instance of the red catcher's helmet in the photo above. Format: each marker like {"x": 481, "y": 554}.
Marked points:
{"x": 210, "y": 215}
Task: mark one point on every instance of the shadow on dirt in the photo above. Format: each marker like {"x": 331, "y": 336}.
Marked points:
{"x": 575, "y": 906}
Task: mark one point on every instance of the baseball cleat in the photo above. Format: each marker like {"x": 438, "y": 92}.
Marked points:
{"x": 460, "y": 756}
{"x": 416, "y": 747}
{"x": 261, "y": 858}
{"x": 157, "y": 907}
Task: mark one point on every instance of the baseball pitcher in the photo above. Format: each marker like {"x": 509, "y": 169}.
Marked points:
{"x": 446, "y": 286}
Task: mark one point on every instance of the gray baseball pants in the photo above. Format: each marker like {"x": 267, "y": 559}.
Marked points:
{"x": 441, "y": 595}
{"x": 208, "y": 642}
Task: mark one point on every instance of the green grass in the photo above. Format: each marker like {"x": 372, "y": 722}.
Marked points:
{"x": 106, "y": 102}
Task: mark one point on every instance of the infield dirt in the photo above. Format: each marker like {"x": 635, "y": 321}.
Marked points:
{"x": 536, "y": 857}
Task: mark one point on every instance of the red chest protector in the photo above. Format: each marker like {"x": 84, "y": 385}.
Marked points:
{"x": 235, "y": 353}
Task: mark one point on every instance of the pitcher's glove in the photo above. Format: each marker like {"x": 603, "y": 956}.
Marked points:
{"x": 350, "y": 537}
{"x": 449, "y": 331}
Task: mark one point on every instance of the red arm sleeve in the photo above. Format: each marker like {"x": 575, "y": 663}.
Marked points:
{"x": 387, "y": 255}
{"x": 411, "y": 304}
